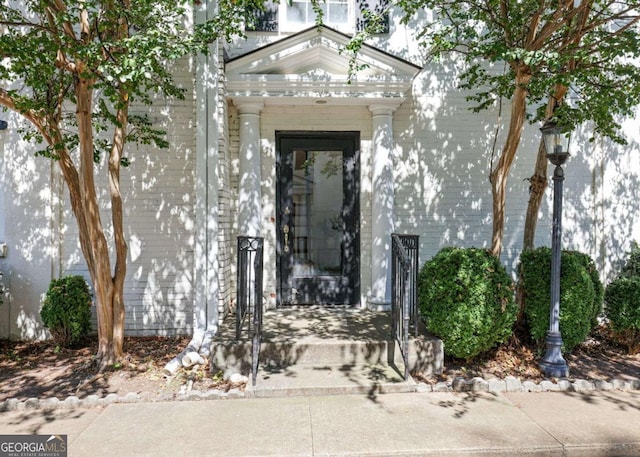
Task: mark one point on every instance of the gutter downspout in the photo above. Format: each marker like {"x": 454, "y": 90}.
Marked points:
{"x": 7, "y": 306}
{"x": 207, "y": 98}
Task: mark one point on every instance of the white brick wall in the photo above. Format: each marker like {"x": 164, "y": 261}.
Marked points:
{"x": 441, "y": 166}
{"x": 27, "y": 195}
{"x": 442, "y": 169}
{"x": 158, "y": 192}
{"x": 442, "y": 163}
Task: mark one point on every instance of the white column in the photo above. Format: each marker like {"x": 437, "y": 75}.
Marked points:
{"x": 382, "y": 203}
{"x": 249, "y": 194}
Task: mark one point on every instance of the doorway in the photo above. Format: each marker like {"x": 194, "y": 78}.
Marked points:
{"x": 318, "y": 218}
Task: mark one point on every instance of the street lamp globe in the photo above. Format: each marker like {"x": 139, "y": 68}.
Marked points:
{"x": 556, "y": 142}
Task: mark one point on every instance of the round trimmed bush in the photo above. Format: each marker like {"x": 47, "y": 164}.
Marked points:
{"x": 466, "y": 299}
{"x": 623, "y": 311}
{"x": 581, "y": 295}
{"x": 622, "y": 300}
{"x": 66, "y": 310}
{"x": 632, "y": 264}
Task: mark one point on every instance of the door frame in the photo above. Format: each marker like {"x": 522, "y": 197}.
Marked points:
{"x": 318, "y": 137}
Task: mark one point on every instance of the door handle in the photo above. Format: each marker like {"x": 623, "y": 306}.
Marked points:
{"x": 285, "y": 230}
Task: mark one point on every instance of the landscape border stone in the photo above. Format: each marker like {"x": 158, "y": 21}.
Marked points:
{"x": 459, "y": 384}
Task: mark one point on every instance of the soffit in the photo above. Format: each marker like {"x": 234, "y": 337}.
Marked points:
{"x": 311, "y": 64}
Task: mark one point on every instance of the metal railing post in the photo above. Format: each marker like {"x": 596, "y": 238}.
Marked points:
{"x": 404, "y": 298}
{"x": 249, "y": 295}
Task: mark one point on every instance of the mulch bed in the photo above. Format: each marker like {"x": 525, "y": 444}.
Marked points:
{"x": 598, "y": 358}
{"x": 40, "y": 369}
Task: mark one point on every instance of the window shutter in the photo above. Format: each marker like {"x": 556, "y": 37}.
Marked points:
{"x": 376, "y": 7}
{"x": 265, "y": 20}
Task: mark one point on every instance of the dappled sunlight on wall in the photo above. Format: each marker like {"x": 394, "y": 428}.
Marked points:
{"x": 579, "y": 196}
{"x": 442, "y": 175}
{"x": 601, "y": 197}
{"x": 159, "y": 222}
{"x": 401, "y": 42}
{"x": 27, "y": 214}
{"x": 621, "y": 199}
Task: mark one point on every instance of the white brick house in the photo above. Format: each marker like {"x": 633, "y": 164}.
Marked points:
{"x": 271, "y": 119}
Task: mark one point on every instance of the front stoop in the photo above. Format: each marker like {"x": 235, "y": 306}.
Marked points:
{"x": 321, "y": 351}
{"x": 298, "y": 380}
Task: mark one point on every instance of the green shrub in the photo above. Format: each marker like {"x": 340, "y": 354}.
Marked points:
{"x": 623, "y": 311}
{"x": 466, "y": 299}
{"x": 632, "y": 264}
{"x": 581, "y": 295}
{"x": 623, "y": 303}
{"x": 66, "y": 310}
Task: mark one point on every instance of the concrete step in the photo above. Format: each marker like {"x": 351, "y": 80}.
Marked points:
{"x": 307, "y": 380}
{"x": 327, "y": 352}
{"x": 425, "y": 354}
{"x": 319, "y": 350}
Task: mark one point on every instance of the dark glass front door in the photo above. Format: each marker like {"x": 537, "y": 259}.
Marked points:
{"x": 318, "y": 218}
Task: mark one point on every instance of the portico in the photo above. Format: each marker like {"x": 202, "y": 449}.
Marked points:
{"x": 301, "y": 85}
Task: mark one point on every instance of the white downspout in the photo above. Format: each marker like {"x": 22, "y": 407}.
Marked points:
{"x": 7, "y": 306}
{"x": 205, "y": 313}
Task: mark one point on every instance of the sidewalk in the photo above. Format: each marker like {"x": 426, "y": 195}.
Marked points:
{"x": 604, "y": 423}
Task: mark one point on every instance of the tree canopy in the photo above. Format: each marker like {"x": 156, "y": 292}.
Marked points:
{"x": 73, "y": 69}
{"x": 573, "y": 60}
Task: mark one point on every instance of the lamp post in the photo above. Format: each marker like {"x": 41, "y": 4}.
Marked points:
{"x": 557, "y": 146}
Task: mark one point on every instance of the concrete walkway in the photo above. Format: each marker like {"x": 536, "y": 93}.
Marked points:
{"x": 604, "y": 423}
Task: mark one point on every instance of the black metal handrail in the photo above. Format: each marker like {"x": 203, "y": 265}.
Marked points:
{"x": 404, "y": 293}
{"x": 249, "y": 307}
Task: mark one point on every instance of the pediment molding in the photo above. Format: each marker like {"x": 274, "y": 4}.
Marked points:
{"x": 311, "y": 64}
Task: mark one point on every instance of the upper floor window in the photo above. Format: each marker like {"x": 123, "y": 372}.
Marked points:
{"x": 294, "y": 15}
{"x": 299, "y": 14}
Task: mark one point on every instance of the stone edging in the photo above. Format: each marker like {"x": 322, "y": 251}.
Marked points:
{"x": 513, "y": 384}
{"x": 72, "y": 402}
{"x": 508, "y": 384}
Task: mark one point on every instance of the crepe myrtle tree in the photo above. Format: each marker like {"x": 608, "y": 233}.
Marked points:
{"x": 573, "y": 60}
{"x": 597, "y": 80}
{"x": 73, "y": 69}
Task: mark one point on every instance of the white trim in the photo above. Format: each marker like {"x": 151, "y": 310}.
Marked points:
{"x": 311, "y": 64}
{"x": 205, "y": 312}
{"x": 308, "y": 69}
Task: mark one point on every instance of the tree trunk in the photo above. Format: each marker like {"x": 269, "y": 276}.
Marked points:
{"x": 120, "y": 271}
{"x": 537, "y": 187}
{"x": 539, "y": 179}
{"x": 500, "y": 173}
{"x": 92, "y": 234}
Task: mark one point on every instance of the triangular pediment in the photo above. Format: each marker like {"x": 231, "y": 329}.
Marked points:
{"x": 313, "y": 62}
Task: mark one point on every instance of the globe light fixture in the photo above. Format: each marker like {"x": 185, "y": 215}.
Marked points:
{"x": 556, "y": 142}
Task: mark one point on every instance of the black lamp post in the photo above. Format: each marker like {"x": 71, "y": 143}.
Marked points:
{"x": 557, "y": 146}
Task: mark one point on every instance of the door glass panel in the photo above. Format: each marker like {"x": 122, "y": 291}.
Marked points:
{"x": 318, "y": 226}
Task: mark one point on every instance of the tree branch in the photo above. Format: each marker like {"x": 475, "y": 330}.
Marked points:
{"x": 59, "y": 6}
